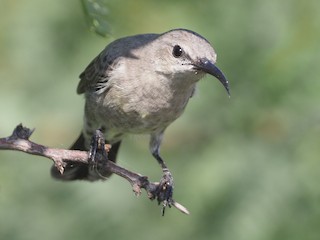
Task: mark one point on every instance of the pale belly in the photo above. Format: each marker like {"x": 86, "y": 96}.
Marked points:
{"x": 142, "y": 113}
{"x": 137, "y": 118}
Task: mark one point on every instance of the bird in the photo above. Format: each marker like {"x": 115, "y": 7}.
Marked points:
{"x": 139, "y": 84}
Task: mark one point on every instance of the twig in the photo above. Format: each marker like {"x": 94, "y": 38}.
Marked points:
{"x": 19, "y": 141}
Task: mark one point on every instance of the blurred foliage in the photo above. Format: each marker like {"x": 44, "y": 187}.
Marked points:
{"x": 96, "y": 14}
{"x": 247, "y": 168}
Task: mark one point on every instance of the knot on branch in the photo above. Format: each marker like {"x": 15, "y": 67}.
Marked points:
{"x": 22, "y": 132}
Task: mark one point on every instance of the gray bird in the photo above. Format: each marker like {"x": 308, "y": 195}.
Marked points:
{"x": 140, "y": 85}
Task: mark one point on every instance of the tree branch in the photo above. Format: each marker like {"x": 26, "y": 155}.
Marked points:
{"x": 19, "y": 141}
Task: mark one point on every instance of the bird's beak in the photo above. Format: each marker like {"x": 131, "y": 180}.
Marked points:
{"x": 208, "y": 67}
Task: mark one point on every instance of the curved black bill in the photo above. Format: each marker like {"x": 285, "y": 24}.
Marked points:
{"x": 208, "y": 67}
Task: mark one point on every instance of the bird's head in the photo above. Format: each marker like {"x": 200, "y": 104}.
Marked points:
{"x": 188, "y": 55}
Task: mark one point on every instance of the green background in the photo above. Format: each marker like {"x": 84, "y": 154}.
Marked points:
{"x": 246, "y": 167}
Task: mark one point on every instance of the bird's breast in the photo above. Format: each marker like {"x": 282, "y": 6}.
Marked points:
{"x": 143, "y": 108}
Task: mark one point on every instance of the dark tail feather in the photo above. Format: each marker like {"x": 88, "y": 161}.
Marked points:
{"x": 80, "y": 171}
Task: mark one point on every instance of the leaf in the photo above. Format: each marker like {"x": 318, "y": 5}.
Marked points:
{"x": 96, "y": 14}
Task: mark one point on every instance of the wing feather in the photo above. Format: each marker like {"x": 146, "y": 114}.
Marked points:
{"x": 96, "y": 74}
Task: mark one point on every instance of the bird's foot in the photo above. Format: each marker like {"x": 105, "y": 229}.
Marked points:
{"x": 98, "y": 154}
{"x": 165, "y": 191}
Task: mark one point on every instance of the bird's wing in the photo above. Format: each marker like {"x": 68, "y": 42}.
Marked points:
{"x": 96, "y": 74}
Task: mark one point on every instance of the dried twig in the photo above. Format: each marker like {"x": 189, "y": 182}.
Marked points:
{"x": 19, "y": 141}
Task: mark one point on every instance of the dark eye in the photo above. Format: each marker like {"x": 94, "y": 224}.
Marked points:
{"x": 177, "y": 51}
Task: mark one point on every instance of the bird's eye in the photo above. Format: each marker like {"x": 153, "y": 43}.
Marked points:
{"x": 177, "y": 51}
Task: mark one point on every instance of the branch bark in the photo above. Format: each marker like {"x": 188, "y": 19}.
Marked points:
{"x": 19, "y": 141}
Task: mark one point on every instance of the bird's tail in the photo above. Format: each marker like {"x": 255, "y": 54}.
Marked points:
{"x": 81, "y": 171}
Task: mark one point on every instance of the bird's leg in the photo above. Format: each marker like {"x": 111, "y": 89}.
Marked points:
{"x": 166, "y": 185}
{"x": 164, "y": 190}
{"x": 98, "y": 155}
